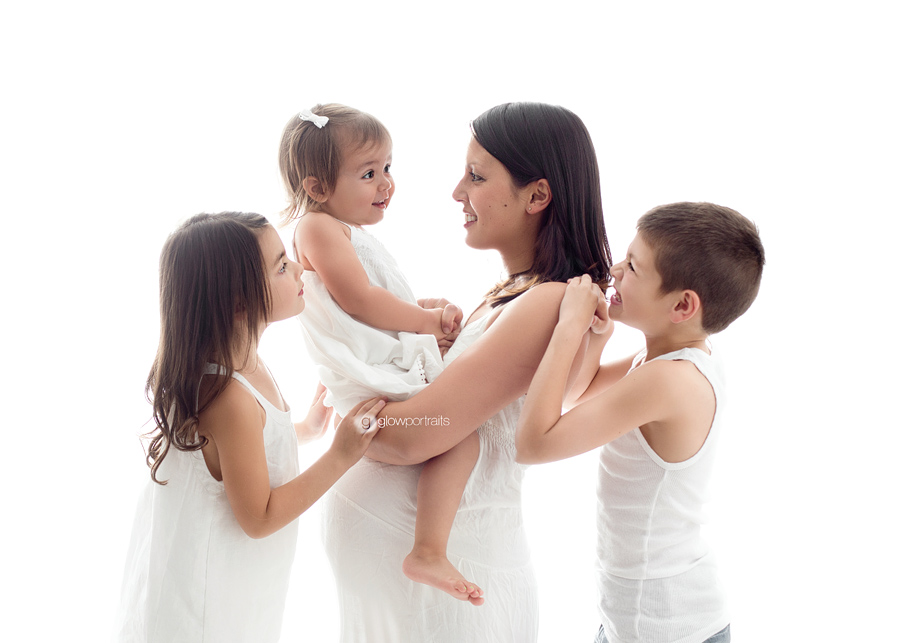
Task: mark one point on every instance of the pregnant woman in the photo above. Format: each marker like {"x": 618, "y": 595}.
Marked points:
{"x": 531, "y": 191}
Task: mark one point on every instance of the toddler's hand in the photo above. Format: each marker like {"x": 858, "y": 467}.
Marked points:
{"x": 451, "y": 321}
{"x": 584, "y": 305}
{"x": 355, "y": 432}
{"x": 435, "y": 324}
{"x": 313, "y": 426}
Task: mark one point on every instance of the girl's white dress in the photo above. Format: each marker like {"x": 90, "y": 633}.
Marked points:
{"x": 369, "y": 521}
{"x": 192, "y": 574}
{"x": 356, "y": 361}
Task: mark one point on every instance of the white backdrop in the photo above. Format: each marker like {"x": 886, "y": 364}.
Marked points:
{"x": 121, "y": 120}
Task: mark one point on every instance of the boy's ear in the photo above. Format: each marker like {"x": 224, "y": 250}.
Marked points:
{"x": 541, "y": 196}
{"x": 686, "y": 307}
{"x": 315, "y": 189}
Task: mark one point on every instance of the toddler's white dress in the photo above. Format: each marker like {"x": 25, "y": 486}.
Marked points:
{"x": 192, "y": 575}
{"x": 369, "y": 522}
{"x": 357, "y": 361}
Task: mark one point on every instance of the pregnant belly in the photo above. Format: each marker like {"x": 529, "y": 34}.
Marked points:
{"x": 377, "y": 504}
{"x": 386, "y": 492}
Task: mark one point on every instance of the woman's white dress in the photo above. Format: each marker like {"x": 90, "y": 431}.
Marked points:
{"x": 369, "y": 521}
{"x": 356, "y": 361}
{"x": 192, "y": 574}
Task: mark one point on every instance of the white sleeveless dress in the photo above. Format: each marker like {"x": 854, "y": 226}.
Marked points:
{"x": 356, "y": 361}
{"x": 369, "y": 521}
{"x": 192, "y": 574}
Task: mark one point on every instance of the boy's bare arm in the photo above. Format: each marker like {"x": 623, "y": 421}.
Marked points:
{"x": 668, "y": 398}
{"x": 646, "y": 395}
{"x": 586, "y": 366}
{"x": 605, "y": 376}
{"x": 548, "y": 388}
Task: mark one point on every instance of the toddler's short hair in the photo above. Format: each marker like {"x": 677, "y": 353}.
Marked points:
{"x": 308, "y": 150}
{"x": 710, "y": 249}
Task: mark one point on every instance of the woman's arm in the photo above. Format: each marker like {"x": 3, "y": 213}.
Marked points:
{"x": 485, "y": 378}
{"x": 233, "y": 425}
{"x": 323, "y": 246}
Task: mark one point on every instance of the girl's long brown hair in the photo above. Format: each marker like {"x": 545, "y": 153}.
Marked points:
{"x": 209, "y": 269}
{"x": 539, "y": 141}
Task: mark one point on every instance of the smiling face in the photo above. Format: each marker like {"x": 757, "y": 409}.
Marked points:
{"x": 283, "y": 275}
{"x": 494, "y": 207}
{"x": 364, "y": 186}
{"x": 638, "y": 300}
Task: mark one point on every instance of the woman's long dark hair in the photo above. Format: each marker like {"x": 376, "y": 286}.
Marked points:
{"x": 539, "y": 141}
{"x": 209, "y": 268}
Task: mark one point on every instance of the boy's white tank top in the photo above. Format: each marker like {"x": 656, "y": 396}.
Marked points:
{"x": 656, "y": 575}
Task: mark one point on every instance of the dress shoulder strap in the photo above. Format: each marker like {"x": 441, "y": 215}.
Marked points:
{"x": 216, "y": 369}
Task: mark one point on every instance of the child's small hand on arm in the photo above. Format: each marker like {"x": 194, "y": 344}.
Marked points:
{"x": 355, "y": 432}
{"x": 313, "y": 426}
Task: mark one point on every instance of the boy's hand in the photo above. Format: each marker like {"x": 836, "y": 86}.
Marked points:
{"x": 355, "y": 432}
{"x": 313, "y": 426}
{"x": 584, "y": 306}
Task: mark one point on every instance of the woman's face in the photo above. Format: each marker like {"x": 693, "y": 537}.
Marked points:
{"x": 494, "y": 207}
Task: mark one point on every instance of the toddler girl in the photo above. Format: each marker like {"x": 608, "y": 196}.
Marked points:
{"x": 215, "y": 532}
{"x": 363, "y": 326}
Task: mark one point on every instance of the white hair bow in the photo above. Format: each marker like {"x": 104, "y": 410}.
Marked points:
{"x": 318, "y": 121}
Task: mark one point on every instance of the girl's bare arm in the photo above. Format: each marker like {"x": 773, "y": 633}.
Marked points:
{"x": 323, "y": 246}
{"x": 233, "y": 423}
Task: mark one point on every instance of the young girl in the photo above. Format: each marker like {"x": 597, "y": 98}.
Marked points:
{"x": 363, "y": 325}
{"x": 215, "y": 531}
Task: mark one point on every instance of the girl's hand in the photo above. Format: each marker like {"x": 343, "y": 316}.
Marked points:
{"x": 584, "y": 306}
{"x": 313, "y": 426}
{"x": 355, "y": 432}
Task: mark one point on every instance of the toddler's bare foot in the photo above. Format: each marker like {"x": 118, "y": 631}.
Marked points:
{"x": 434, "y": 569}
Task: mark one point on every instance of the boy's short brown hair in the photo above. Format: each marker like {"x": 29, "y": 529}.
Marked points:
{"x": 710, "y": 249}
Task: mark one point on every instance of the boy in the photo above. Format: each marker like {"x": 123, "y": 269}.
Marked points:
{"x": 692, "y": 269}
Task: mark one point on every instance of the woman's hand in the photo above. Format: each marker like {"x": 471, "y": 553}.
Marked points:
{"x": 584, "y": 306}
{"x": 355, "y": 432}
{"x": 451, "y": 320}
{"x": 313, "y": 426}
